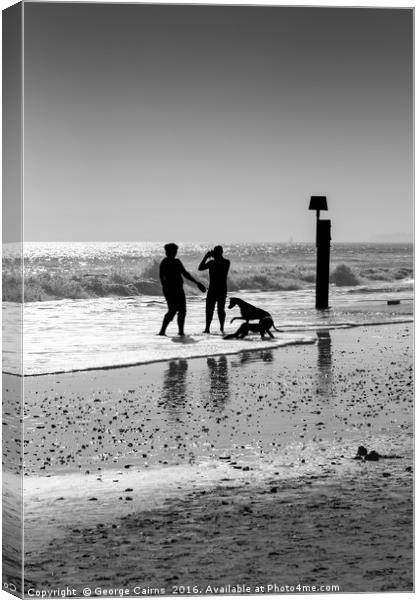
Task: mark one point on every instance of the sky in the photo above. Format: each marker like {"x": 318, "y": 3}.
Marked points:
{"x": 216, "y": 123}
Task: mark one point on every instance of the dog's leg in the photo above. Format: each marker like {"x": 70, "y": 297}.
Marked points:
{"x": 239, "y": 333}
{"x": 243, "y": 331}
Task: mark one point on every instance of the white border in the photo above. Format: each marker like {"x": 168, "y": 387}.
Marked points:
{"x": 323, "y": 3}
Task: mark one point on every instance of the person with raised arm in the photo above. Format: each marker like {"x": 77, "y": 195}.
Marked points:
{"x": 218, "y": 268}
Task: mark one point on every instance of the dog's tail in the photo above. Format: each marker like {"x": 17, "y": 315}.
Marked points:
{"x": 276, "y": 329}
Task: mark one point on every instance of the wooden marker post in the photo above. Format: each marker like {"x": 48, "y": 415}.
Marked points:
{"x": 323, "y": 242}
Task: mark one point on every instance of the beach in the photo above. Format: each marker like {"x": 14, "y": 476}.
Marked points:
{"x": 226, "y": 470}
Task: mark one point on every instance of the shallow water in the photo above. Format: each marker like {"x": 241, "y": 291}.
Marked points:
{"x": 68, "y": 335}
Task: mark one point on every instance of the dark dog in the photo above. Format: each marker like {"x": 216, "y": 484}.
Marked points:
{"x": 262, "y": 328}
{"x": 248, "y": 311}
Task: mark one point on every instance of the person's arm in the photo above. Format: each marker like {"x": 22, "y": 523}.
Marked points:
{"x": 187, "y": 275}
{"x": 162, "y": 272}
{"x": 204, "y": 264}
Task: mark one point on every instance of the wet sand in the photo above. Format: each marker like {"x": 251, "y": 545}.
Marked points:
{"x": 226, "y": 470}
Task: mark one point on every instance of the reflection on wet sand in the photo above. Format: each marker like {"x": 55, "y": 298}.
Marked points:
{"x": 219, "y": 382}
{"x": 324, "y": 381}
{"x": 265, "y": 355}
{"x": 174, "y": 392}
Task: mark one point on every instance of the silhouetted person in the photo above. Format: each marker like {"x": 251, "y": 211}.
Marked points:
{"x": 171, "y": 272}
{"x": 218, "y": 268}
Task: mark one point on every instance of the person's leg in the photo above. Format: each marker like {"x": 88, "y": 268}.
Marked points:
{"x": 221, "y": 313}
{"x": 166, "y": 320}
{"x": 210, "y": 304}
{"x": 169, "y": 315}
{"x": 182, "y": 311}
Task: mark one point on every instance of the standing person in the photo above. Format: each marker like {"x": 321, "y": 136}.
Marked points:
{"x": 171, "y": 272}
{"x": 218, "y": 268}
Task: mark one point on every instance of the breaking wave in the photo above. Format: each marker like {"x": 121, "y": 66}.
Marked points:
{"x": 77, "y": 271}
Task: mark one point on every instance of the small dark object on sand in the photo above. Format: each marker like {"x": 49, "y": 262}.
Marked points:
{"x": 391, "y": 302}
{"x": 361, "y": 453}
{"x": 373, "y": 455}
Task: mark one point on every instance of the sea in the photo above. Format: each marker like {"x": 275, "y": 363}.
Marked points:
{"x": 99, "y": 305}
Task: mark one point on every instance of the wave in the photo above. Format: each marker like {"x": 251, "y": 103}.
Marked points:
{"x": 55, "y": 276}
{"x": 398, "y": 286}
{"x": 45, "y": 286}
